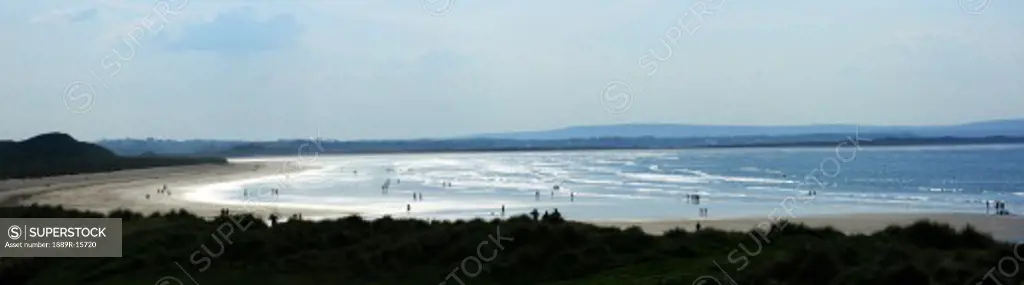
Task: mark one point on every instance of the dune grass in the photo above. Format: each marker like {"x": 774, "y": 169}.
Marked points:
{"x": 546, "y": 250}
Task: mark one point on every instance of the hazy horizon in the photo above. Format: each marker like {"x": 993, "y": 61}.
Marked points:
{"x": 267, "y": 70}
{"x": 512, "y": 132}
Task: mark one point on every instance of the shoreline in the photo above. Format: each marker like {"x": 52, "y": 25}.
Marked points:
{"x": 104, "y": 192}
{"x": 128, "y": 189}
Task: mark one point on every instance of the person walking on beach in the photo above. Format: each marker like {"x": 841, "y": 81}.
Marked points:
{"x": 408, "y": 208}
{"x": 572, "y": 196}
{"x": 698, "y": 226}
{"x": 502, "y": 210}
{"x": 987, "y": 207}
{"x": 537, "y": 195}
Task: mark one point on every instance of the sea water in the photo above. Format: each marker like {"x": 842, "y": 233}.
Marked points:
{"x": 650, "y": 185}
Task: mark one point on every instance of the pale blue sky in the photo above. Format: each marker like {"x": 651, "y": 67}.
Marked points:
{"x": 390, "y": 69}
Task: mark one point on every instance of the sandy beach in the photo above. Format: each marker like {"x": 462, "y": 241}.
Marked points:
{"x": 103, "y": 192}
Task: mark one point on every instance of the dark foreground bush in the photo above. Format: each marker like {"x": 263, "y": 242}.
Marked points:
{"x": 531, "y": 251}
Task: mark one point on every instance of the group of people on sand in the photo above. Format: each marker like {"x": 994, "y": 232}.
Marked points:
{"x": 693, "y": 199}
{"x": 1000, "y": 207}
{"x": 701, "y": 212}
{"x": 245, "y": 193}
{"x": 572, "y": 195}
{"x": 416, "y": 196}
{"x": 387, "y": 185}
{"x": 162, "y": 190}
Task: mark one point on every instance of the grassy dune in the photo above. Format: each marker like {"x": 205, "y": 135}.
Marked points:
{"x": 532, "y": 251}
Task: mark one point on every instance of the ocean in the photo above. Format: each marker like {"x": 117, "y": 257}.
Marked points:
{"x": 633, "y": 185}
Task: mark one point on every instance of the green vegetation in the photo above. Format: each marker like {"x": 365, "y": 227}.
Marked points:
{"x": 59, "y": 154}
{"x": 547, "y": 250}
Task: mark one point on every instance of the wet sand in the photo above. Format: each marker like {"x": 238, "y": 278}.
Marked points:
{"x": 104, "y": 192}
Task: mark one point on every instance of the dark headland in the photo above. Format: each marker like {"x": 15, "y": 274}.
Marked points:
{"x": 60, "y": 154}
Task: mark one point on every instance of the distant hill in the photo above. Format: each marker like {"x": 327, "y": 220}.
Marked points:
{"x": 630, "y": 136}
{"x": 60, "y": 154}
{"x": 51, "y": 145}
{"x": 971, "y": 130}
{"x": 292, "y": 148}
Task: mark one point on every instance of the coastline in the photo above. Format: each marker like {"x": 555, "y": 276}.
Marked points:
{"x": 104, "y": 192}
{"x": 127, "y": 189}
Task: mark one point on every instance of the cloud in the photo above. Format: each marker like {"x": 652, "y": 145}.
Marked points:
{"x": 389, "y": 69}
{"x": 239, "y": 31}
{"x": 66, "y": 16}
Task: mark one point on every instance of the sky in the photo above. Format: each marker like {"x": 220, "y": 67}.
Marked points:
{"x": 355, "y": 69}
